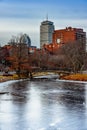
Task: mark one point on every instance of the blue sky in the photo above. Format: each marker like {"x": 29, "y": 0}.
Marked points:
{"x": 25, "y": 16}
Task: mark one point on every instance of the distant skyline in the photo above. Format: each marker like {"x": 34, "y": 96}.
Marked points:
{"x": 25, "y": 16}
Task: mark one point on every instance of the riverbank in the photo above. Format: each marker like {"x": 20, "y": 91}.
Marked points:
{"x": 7, "y": 78}
{"x": 4, "y": 78}
{"x": 76, "y": 77}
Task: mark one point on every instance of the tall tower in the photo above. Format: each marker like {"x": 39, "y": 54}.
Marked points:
{"x": 46, "y": 31}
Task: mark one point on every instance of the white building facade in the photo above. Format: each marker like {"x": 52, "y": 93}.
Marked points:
{"x": 46, "y": 32}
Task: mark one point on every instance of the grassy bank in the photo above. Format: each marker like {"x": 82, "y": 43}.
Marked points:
{"x": 6, "y": 78}
{"x": 78, "y": 77}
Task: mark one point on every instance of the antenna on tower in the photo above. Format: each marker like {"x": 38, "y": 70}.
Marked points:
{"x": 47, "y": 17}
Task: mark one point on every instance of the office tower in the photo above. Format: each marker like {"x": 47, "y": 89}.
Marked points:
{"x": 46, "y": 32}
{"x": 25, "y": 39}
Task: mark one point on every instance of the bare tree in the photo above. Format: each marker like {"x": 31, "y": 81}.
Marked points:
{"x": 74, "y": 55}
{"x": 19, "y": 56}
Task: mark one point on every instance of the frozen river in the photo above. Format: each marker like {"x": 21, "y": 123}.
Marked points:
{"x": 43, "y": 105}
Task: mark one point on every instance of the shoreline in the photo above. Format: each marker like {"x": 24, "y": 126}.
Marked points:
{"x": 69, "y": 78}
{"x": 56, "y": 80}
{"x": 75, "y": 77}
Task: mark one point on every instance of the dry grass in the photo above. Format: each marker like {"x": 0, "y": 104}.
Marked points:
{"x": 79, "y": 77}
{"x": 6, "y": 78}
{"x": 35, "y": 74}
{"x": 15, "y": 76}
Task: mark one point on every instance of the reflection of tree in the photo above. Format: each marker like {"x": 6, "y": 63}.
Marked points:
{"x": 73, "y": 93}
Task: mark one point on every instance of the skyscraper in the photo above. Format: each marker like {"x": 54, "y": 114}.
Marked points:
{"x": 46, "y": 32}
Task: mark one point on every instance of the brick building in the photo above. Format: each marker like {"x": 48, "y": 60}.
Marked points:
{"x": 66, "y": 35}
{"x": 69, "y": 34}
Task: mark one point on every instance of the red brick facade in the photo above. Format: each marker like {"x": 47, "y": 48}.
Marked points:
{"x": 68, "y": 34}
{"x": 64, "y": 36}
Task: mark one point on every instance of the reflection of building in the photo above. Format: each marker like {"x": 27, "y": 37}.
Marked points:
{"x": 46, "y": 32}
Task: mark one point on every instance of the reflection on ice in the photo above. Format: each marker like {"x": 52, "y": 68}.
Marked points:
{"x": 56, "y": 122}
{"x": 47, "y": 106}
{"x": 34, "y": 103}
{"x": 71, "y": 81}
{"x": 85, "y": 103}
{"x": 42, "y": 129}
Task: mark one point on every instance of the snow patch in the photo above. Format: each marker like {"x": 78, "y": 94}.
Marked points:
{"x": 72, "y": 81}
{"x": 5, "y": 84}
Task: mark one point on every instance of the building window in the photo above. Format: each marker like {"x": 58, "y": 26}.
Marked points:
{"x": 58, "y": 40}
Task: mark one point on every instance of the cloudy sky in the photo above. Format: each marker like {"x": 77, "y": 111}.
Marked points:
{"x": 25, "y": 16}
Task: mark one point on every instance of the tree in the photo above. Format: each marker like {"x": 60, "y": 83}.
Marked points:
{"x": 74, "y": 55}
{"x": 4, "y": 53}
{"x": 19, "y": 56}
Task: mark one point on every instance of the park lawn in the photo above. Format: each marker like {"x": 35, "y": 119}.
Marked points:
{"x": 79, "y": 77}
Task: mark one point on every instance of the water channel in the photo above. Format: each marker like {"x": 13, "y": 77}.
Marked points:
{"x": 43, "y": 105}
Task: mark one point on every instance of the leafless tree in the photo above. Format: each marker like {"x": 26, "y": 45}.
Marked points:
{"x": 74, "y": 55}
{"x": 19, "y": 56}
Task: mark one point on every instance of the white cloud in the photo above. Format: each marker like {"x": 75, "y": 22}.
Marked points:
{"x": 9, "y": 27}
{"x": 19, "y": 25}
{"x": 77, "y": 23}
